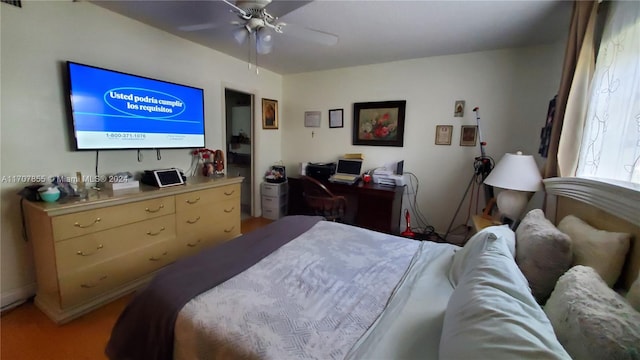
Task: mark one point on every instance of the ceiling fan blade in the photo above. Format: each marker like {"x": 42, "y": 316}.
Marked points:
{"x": 308, "y": 34}
{"x": 280, "y": 8}
{"x": 237, "y": 9}
{"x": 198, "y": 27}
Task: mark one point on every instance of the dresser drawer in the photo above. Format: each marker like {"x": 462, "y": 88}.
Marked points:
{"x": 86, "y": 222}
{"x": 89, "y": 282}
{"x": 199, "y": 198}
{"x": 203, "y": 226}
{"x": 87, "y": 250}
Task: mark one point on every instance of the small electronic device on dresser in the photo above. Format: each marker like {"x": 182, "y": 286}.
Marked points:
{"x": 163, "y": 177}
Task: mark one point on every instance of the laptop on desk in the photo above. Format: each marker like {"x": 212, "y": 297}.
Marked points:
{"x": 347, "y": 172}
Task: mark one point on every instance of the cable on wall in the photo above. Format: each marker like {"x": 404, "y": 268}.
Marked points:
{"x": 422, "y": 222}
{"x": 97, "y": 157}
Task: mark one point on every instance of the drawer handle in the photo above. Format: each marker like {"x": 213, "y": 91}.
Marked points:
{"x": 82, "y": 253}
{"x": 193, "y": 201}
{"x": 155, "y": 233}
{"x": 193, "y": 244}
{"x": 153, "y": 258}
{"x": 229, "y": 193}
{"x": 89, "y": 286}
{"x": 156, "y": 210}
{"x": 229, "y": 230}
{"x": 230, "y": 210}
{"x": 77, "y": 224}
{"x": 193, "y": 221}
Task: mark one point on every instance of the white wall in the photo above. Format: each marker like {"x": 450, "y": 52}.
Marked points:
{"x": 511, "y": 87}
{"x": 36, "y": 40}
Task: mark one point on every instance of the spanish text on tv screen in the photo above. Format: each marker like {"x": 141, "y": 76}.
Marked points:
{"x": 114, "y": 110}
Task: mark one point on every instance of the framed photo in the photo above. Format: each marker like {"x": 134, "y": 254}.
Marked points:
{"x": 379, "y": 123}
{"x": 443, "y": 134}
{"x": 468, "y": 135}
{"x": 269, "y": 114}
{"x": 312, "y": 118}
{"x": 458, "y": 109}
{"x": 336, "y": 118}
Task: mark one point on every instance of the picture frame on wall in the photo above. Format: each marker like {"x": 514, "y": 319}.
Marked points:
{"x": 269, "y": 114}
{"x": 312, "y": 118}
{"x": 458, "y": 109}
{"x": 336, "y": 118}
{"x": 444, "y": 134}
{"x": 379, "y": 123}
{"x": 468, "y": 135}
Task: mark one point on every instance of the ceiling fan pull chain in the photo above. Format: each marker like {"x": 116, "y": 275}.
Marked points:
{"x": 249, "y": 51}
{"x": 257, "y": 72}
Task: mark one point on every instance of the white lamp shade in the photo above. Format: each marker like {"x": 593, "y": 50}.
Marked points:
{"x": 516, "y": 172}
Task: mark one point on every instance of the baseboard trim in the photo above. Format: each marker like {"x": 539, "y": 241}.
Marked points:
{"x": 17, "y": 295}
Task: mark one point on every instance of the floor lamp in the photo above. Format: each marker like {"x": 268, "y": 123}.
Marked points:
{"x": 517, "y": 175}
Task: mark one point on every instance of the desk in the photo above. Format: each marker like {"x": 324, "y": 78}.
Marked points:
{"x": 371, "y": 206}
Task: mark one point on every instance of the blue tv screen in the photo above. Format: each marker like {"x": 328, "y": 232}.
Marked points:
{"x": 114, "y": 110}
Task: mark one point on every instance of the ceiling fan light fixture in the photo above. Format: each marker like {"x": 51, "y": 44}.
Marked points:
{"x": 264, "y": 40}
{"x": 240, "y": 34}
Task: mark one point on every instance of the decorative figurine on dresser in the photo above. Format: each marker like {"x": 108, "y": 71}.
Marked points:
{"x": 212, "y": 161}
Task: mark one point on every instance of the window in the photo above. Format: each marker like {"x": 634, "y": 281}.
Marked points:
{"x": 610, "y": 146}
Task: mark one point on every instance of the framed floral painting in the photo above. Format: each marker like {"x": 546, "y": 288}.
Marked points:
{"x": 379, "y": 123}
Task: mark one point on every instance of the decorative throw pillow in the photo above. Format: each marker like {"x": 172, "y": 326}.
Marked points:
{"x": 590, "y": 319}
{"x": 602, "y": 250}
{"x": 543, "y": 253}
{"x": 633, "y": 296}
{"x": 491, "y": 314}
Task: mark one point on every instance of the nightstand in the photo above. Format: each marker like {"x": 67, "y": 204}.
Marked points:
{"x": 480, "y": 222}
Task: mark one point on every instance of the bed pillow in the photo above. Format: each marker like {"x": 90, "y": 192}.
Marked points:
{"x": 543, "y": 253}
{"x": 590, "y": 319}
{"x": 491, "y": 314}
{"x": 633, "y": 296}
{"x": 602, "y": 250}
{"x": 475, "y": 245}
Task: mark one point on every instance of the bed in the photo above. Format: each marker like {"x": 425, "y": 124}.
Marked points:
{"x": 304, "y": 288}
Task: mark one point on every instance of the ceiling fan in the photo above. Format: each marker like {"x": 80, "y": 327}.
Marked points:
{"x": 257, "y": 24}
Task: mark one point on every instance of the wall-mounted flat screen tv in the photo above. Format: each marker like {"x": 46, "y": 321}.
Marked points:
{"x": 114, "y": 110}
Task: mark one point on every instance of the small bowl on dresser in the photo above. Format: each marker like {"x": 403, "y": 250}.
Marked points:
{"x": 49, "y": 194}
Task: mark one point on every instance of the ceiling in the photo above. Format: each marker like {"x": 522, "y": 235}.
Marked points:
{"x": 369, "y": 31}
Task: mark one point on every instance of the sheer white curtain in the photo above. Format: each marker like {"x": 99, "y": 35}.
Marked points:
{"x": 611, "y": 139}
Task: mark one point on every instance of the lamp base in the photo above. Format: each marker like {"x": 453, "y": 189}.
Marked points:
{"x": 511, "y": 203}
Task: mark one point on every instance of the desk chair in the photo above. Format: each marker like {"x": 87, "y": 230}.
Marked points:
{"x": 321, "y": 201}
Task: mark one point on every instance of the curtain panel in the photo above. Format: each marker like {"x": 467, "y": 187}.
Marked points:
{"x": 582, "y": 12}
{"x": 611, "y": 141}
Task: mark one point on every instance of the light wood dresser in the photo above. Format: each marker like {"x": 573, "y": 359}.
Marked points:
{"x": 90, "y": 252}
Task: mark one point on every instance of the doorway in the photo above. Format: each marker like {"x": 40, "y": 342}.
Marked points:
{"x": 239, "y": 140}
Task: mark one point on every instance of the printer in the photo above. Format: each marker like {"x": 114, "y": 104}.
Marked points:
{"x": 320, "y": 171}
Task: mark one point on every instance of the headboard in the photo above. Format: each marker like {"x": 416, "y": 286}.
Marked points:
{"x": 606, "y": 206}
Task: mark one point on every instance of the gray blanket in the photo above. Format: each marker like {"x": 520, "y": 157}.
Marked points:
{"x": 145, "y": 329}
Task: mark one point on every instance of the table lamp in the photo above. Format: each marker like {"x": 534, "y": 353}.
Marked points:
{"x": 517, "y": 175}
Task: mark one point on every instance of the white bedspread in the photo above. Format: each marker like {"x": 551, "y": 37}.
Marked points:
{"x": 311, "y": 299}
